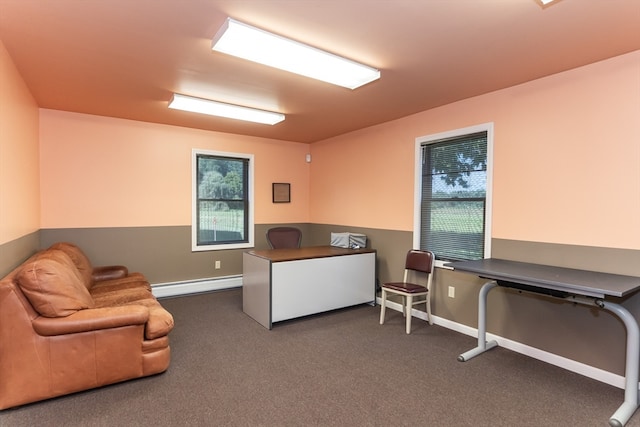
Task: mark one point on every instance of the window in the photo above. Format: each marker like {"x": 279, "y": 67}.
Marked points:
{"x": 222, "y": 194}
{"x": 453, "y": 194}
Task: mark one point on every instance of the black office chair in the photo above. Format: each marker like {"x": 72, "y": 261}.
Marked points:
{"x": 284, "y": 237}
{"x": 417, "y": 261}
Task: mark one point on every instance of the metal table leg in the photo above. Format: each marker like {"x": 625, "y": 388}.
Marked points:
{"x": 630, "y": 404}
{"x": 483, "y": 345}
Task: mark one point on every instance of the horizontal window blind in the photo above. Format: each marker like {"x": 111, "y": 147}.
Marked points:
{"x": 454, "y": 177}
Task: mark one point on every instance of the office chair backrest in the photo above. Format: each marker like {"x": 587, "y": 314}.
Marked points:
{"x": 284, "y": 237}
{"x": 422, "y": 261}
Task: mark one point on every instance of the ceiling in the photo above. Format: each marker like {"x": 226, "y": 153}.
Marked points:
{"x": 125, "y": 58}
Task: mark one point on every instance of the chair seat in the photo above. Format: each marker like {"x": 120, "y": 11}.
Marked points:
{"x": 410, "y": 288}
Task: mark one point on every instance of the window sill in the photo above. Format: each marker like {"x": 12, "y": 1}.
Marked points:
{"x": 441, "y": 264}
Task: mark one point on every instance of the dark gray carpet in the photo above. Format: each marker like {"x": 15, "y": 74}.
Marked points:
{"x": 336, "y": 369}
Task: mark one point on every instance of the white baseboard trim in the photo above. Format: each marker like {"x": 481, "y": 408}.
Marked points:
{"x": 171, "y": 289}
{"x": 562, "y": 362}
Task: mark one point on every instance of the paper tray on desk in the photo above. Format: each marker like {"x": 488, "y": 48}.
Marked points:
{"x": 348, "y": 240}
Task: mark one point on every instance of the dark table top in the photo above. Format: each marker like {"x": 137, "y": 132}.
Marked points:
{"x": 572, "y": 281}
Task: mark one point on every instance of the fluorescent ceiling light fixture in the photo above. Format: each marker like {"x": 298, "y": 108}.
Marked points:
{"x": 546, "y": 2}
{"x": 254, "y": 44}
{"x": 220, "y": 109}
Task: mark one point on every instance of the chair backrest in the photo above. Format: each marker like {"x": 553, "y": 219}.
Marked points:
{"x": 420, "y": 261}
{"x": 284, "y": 237}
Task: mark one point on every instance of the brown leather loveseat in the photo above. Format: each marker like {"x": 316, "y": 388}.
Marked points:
{"x": 66, "y": 326}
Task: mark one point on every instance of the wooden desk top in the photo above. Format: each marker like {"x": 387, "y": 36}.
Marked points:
{"x": 573, "y": 281}
{"x": 279, "y": 255}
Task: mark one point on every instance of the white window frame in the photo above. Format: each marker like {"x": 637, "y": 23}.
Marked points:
{"x": 417, "y": 205}
{"x": 194, "y": 200}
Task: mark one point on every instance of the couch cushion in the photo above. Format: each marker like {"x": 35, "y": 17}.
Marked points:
{"x": 80, "y": 260}
{"x": 122, "y": 296}
{"x": 135, "y": 280}
{"x": 53, "y": 285}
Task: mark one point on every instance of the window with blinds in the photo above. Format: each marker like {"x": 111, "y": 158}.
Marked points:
{"x": 222, "y": 202}
{"x": 453, "y": 212}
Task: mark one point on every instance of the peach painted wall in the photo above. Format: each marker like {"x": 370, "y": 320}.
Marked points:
{"x": 19, "y": 168}
{"x": 364, "y": 178}
{"x": 567, "y": 160}
{"x": 106, "y": 172}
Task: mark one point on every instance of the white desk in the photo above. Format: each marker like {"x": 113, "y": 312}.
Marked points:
{"x": 576, "y": 286}
{"x": 282, "y": 284}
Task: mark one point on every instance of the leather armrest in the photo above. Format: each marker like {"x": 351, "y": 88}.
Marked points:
{"x": 91, "y": 320}
{"x": 109, "y": 272}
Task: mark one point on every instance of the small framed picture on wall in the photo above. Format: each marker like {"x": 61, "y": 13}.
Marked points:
{"x": 281, "y": 192}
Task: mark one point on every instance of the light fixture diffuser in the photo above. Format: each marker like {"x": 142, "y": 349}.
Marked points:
{"x": 220, "y": 109}
{"x": 254, "y": 44}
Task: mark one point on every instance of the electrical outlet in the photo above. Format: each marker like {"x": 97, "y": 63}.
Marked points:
{"x": 452, "y": 292}
{"x": 217, "y": 264}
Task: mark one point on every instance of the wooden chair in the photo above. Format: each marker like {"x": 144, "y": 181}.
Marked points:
{"x": 284, "y": 237}
{"x": 417, "y": 261}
